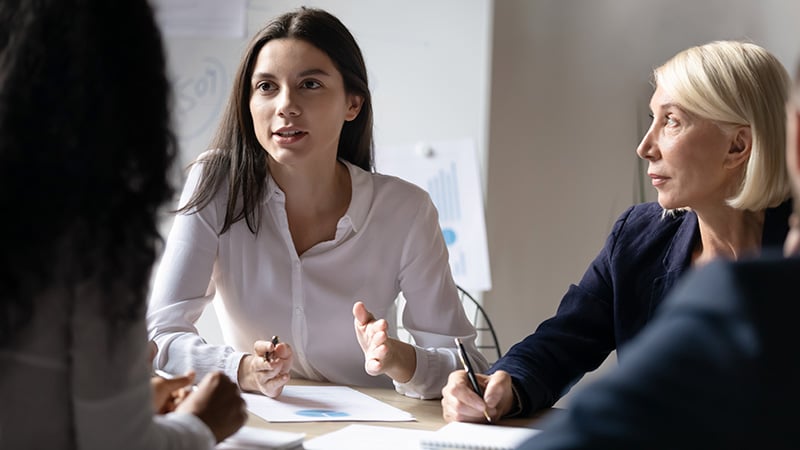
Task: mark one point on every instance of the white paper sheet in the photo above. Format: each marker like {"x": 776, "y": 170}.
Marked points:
{"x": 248, "y": 438}
{"x": 448, "y": 171}
{"x": 368, "y": 437}
{"x": 323, "y": 404}
{"x": 463, "y": 435}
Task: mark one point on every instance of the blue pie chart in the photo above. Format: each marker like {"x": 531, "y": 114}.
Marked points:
{"x": 449, "y": 236}
{"x": 321, "y": 413}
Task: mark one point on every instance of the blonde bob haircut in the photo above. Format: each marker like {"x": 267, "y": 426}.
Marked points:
{"x": 738, "y": 83}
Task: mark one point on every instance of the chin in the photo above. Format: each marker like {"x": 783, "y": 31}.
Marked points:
{"x": 670, "y": 204}
{"x": 667, "y": 203}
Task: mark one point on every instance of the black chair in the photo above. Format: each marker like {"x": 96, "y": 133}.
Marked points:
{"x": 486, "y": 341}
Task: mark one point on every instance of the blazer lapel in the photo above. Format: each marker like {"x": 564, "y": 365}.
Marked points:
{"x": 676, "y": 259}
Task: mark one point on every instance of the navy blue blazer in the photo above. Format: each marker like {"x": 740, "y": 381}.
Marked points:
{"x": 642, "y": 259}
{"x": 717, "y": 368}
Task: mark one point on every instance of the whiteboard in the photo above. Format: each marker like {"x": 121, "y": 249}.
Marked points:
{"x": 428, "y": 64}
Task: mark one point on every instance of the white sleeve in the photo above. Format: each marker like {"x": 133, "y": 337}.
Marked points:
{"x": 183, "y": 288}
{"x": 111, "y": 392}
{"x": 433, "y": 314}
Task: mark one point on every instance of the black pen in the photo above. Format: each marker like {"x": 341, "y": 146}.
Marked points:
{"x": 268, "y": 356}
{"x": 462, "y": 354}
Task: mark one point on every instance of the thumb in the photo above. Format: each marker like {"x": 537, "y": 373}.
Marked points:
{"x": 173, "y": 384}
{"x": 361, "y": 314}
{"x": 493, "y": 392}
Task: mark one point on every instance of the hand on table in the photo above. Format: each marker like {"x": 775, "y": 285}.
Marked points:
{"x": 169, "y": 393}
{"x": 382, "y": 354}
{"x": 460, "y": 402}
{"x": 218, "y": 404}
{"x": 268, "y": 376}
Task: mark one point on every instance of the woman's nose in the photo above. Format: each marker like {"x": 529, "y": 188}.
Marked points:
{"x": 647, "y": 148}
{"x": 287, "y": 105}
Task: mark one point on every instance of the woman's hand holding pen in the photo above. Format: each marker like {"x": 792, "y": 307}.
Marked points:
{"x": 168, "y": 393}
{"x": 382, "y": 354}
{"x": 460, "y": 403}
{"x": 218, "y": 404}
{"x": 267, "y": 371}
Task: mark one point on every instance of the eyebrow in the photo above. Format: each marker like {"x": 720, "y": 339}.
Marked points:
{"x": 305, "y": 73}
{"x": 670, "y": 105}
{"x": 666, "y": 105}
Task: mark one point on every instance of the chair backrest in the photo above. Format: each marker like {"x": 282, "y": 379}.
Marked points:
{"x": 486, "y": 340}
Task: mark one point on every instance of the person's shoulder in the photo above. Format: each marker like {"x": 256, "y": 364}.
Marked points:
{"x": 770, "y": 275}
{"x": 210, "y": 156}
{"x": 396, "y": 183}
{"x": 649, "y": 223}
{"x": 652, "y": 215}
{"x": 644, "y": 232}
{"x": 196, "y": 173}
{"x": 770, "y": 278}
{"x": 395, "y": 189}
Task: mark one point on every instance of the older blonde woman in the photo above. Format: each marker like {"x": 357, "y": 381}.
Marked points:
{"x": 715, "y": 154}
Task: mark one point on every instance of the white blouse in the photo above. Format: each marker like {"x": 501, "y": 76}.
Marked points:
{"x": 71, "y": 379}
{"x": 388, "y": 241}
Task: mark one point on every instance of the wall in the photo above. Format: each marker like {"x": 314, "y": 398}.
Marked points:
{"x": 570, "y": 87}
{"x": 427, "y": 62}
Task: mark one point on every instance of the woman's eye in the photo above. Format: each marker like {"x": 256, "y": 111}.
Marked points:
{"x": 265, "y": 86}
{"x": 311, "y": 84}
{"x": 670, "y": 121}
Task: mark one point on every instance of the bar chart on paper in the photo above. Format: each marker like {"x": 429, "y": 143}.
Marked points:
{"x": 448, "y": 171}
{"x": 443, "y": 189}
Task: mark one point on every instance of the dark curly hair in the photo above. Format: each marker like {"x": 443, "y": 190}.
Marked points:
{"x": 85, "y": 150}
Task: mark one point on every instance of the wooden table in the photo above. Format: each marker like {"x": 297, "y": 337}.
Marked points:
{"x": 427, "y": 412}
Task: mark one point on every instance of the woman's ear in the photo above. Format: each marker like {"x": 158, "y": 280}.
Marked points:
{"x": 354, "y": 103}
{"x": 741, "y": 147}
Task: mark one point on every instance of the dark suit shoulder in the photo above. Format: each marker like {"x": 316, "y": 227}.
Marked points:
{"x": 650, "y": 217}
{"x": 645, "y": 227}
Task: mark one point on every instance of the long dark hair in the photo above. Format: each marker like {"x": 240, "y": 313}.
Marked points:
{"x": 237, "y": 156}
{"x": 85, "y": 149}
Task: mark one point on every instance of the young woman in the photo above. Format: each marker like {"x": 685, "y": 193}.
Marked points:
{"x": 285, "y": 221}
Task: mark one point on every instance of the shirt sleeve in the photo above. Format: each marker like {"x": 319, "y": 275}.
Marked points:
{"x": 183, "y": 288}
{"x": 433, "y": 314}
{"x": 576, "y": 340}
{"x": 111, "y": 392}
{"x": 687, "y": 380}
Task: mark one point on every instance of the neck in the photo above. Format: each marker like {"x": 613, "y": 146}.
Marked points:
{"x": 792, "y": 245}
{"x": 313, "y": 191}
{"x": 309, "y": 184}
{"x": 728, "y": 233}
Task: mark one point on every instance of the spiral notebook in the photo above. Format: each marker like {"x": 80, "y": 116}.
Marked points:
{"x": 248, "y": 438}
{"x": 472, "y": 436}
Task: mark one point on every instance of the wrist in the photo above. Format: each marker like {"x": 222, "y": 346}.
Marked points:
{"x": 513, "y": 405}
{"x": 404, "y": 361}
{"x": 244, "y": 375}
